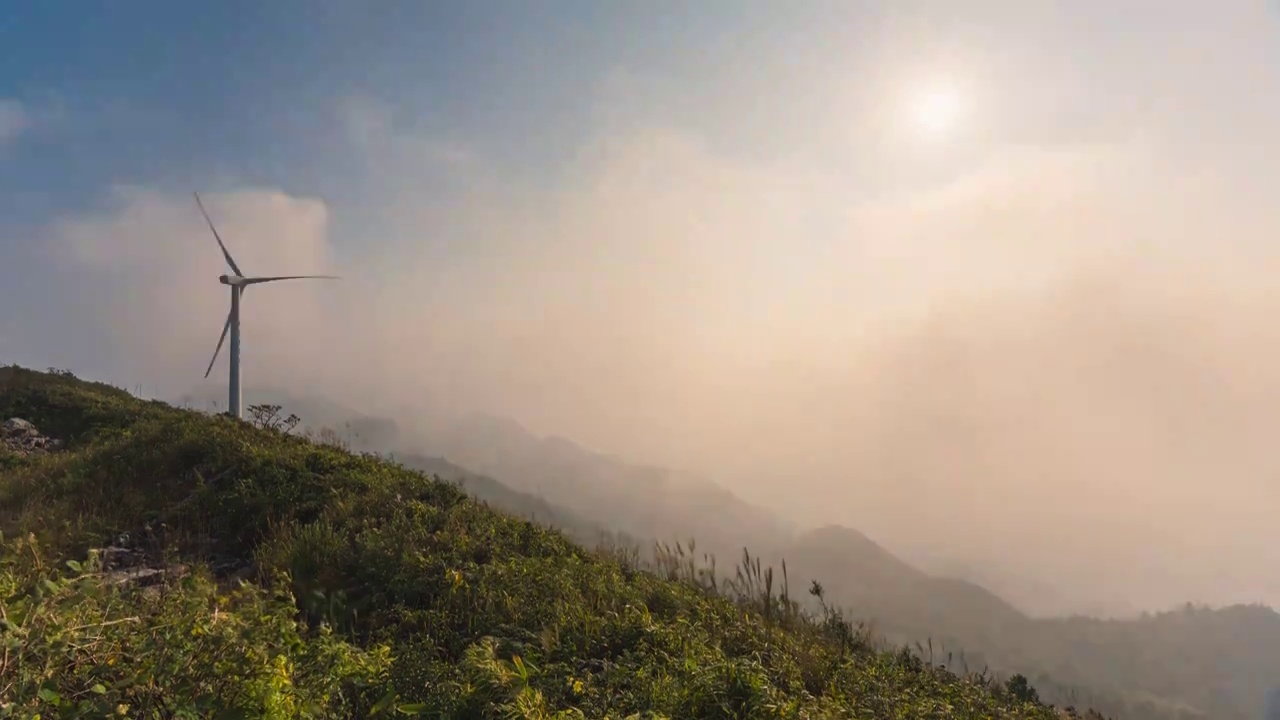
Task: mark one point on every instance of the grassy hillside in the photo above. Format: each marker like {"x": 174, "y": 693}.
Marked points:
{"x": 900, "y": 598}
{"x": 1183, "y": 664}
{"x": 293, "y": 579}
{"x": 639, "y": 499}
{"x": 581, "y": 530}
{"x": 1174, "y": 666}
{"x": 635, "y": 499}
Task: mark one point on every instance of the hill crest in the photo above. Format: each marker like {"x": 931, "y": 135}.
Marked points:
{"x": 434, "y": 603}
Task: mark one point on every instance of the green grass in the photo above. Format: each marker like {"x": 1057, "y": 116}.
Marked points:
{"x": 377, "y": 589}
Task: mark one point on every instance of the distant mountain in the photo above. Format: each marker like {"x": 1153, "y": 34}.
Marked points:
{"x": 168, "y": 563}
{"x": 584, "y": 531}
{"x": 642, "y": 500}
{"x": 637, "y": 500}
{"x": 902, "y": 600}
{"x": 1190, "y": 663}
{"x": 873, "y": 584}
{"x": 1187, "y": 663}
{"x": 1215, "y": 663}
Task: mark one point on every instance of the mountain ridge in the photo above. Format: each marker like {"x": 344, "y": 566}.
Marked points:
{"x": 899, "y": 599}
{"x": 373, "y": 588}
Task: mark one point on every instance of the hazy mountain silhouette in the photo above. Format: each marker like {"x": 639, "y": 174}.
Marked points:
{"x": 251, "y": 570}
{"x": 642, "y": 501}
{"x": 1185, "y": 663}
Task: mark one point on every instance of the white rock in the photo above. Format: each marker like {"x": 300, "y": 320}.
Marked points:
{"x": 18, "y": 426}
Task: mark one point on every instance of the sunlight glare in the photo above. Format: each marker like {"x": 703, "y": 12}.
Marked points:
{"x": 936, "y": 109}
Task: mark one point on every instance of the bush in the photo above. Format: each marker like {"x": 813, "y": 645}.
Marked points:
{"x": 77, "y": 645}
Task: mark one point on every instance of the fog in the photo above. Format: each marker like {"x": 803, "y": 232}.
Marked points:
{"x": 1050, "y": 355}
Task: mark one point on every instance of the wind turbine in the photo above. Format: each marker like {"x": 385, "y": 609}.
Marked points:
{"x": 238, "y": 284}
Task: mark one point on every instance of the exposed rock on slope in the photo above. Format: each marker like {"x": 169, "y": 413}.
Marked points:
{"x": 21, "y": 437}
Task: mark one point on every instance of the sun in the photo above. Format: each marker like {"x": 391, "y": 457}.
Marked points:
{"x": 935, "y": 109}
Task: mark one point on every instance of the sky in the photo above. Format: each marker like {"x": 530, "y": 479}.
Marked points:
{"x": 1035, "y": 335}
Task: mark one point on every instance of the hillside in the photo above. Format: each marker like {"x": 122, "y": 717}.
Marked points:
{"x": 633, "y": 499}
{"x": 1206, "y": 664}
{"x": 581, "y": 530}
{"x": 639, "y": 499}
{"x": 371, "y": 587}
{"x": 901, "y": 599}
{"x": 1210, "y": 664}
{"x": 1186, "y": 663}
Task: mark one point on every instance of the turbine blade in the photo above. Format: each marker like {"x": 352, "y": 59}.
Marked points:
{"x": 260, "y": 280}
{"x": 225, "y": 327}
{"x": 218, "y": 237}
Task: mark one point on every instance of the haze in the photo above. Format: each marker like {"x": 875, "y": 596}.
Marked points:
{"x": 1037, "y": 344}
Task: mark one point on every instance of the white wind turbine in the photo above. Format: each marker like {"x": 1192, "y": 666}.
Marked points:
{"x": 238, "y": 283}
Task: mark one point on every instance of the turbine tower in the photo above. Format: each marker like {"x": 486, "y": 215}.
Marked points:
{"x": 238, "y": 284}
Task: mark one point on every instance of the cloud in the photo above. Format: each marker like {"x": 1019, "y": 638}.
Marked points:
{"x": 1035, "y": 348}
{"x": 160, "y": 265}
{"x": 1053, "y": 357}
{"x": 15, "y": 119}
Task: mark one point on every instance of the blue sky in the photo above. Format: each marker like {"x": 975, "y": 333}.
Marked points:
{"x": 157, "y": 92}
{"x": 710, "y": 234}
{"x": 238, "y": 94}
{"x": 231, "y": 94}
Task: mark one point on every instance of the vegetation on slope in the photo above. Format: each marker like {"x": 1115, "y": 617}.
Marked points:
{"x": 1185, "y": 665}
{"x": 377, "y": 589}
{"x": 1189, "y": 664}
{"x": 612, "y": 494}
{"x": 1182, "y": 665}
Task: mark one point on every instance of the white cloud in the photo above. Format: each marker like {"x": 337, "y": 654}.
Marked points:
{"x": 1040, "y": 330}
{"x": 1061, "y": 359}
{"x": 161, "y": 264}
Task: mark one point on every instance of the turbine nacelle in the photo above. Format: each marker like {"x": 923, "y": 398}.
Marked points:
{"x": 240, "y": 281}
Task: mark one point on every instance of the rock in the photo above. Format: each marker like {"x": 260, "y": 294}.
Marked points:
{"x": 115, "y": 557}
{"x": 22, "y": 438}
{"x": 128, "y": 566}
{"x": 231, "y": 568}
{"x": 17, "y": 427}
{"x": 145, "y": 576}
